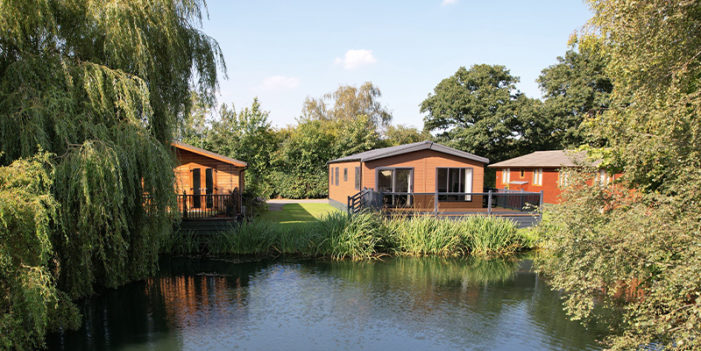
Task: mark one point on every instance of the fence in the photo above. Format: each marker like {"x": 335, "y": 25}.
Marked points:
{"x": 208, "y": 206}
{"x": 501, "y": 203}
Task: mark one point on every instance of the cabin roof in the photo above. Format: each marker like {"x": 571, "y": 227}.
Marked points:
{"x": 205, "y": 153}
{"x": 407, "y": 148}
{"x": 549, "y": 159}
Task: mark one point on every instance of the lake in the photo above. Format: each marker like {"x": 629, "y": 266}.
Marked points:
{"x": 395, "y": 303}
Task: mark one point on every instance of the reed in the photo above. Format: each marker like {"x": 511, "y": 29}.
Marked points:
{"x": 360, "y": 237}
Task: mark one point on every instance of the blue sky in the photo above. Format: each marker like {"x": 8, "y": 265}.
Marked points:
{"x": 284, "y": 51}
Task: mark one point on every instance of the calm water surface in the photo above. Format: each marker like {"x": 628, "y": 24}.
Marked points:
{"x": 395, "y": 304}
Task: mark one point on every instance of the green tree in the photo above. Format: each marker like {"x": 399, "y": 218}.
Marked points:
{"x": 649, "y": 273}
{"x": 300, "y": 169}
{"x": 400, "y": 134}
{"x": 347, "y": 103}
{"x": 102, "y": 86}
{"x": 193, "y": 127}
{"x": 480, "y": 111}
{"x": 575, "y": 89}
{"x": 247, "y": 136}
{"x": 28, "y": 295}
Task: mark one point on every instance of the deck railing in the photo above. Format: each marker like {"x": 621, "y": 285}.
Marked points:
{"x": 491, "y": 203}
{"x": 207, "y": 206}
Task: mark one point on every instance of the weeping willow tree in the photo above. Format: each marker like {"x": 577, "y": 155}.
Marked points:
{"x": 101, "y": 85}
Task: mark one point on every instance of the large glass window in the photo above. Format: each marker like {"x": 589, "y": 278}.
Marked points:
{"x": 454, "y": 180}
{"x": 336, "y": 176}
{"x": 396, "y": 183}
{"x": 345, "y": 174}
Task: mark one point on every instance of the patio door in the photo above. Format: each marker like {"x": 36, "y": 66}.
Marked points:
{"x": 396, "y": 183}
{"x": 196, "y": 188}
{"x": 209, "y": 187}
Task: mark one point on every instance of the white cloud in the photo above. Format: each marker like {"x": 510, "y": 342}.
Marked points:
{"x": 356, "y": 58}
{"x": 279, "y": 83}
{"x": 449, "y": 2}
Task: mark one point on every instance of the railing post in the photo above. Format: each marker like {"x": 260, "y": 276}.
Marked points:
{"x": 348, "y": 205}
{"x": 489, "y": 202}
{"x": 184, "y": 204}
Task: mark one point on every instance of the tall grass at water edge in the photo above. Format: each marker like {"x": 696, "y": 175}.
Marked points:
{"x": 361, "y": 236}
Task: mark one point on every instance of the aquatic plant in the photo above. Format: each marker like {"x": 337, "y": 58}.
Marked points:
{"x": 360, "y": 236}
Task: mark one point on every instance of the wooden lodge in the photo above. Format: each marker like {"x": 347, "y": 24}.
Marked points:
{"x": 540, "y": 172}
{"x": 423, "y": 178}
{"x": 208, "y": 185}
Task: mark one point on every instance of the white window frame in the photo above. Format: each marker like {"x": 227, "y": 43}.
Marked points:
{"x": 604, "y": 178}
{"x": 538, "y": 176}
{"x": 563, "y": 178}
{"x": 506, "y": 176}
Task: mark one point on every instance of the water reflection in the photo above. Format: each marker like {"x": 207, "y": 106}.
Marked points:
{"x": 410, "y": 303}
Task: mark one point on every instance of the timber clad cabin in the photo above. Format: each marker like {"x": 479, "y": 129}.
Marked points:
{"x": 410, "y": 175}
{"x": 540, "y": 171}
{"x": 207, "y": 184}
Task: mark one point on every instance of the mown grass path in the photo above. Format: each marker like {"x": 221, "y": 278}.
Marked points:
{"x": 298, "y": 213}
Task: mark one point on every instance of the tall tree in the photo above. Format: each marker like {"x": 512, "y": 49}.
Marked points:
{"x": 575, "y": 89}
{"x": 300, "y": 163}
{"x": 192, "y": 128}
{"x": 248, "y": 136}
{"x": 480, "y": 111}
{"x": 347, "y": 103}
{"x": 400, "y": 134}
{"x": 649, "y": 273}
{"x": 101, "y": 86}
{"x": 353, "y": 136}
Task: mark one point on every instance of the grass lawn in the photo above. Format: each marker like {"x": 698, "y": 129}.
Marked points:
{"x": 298, "y": 213}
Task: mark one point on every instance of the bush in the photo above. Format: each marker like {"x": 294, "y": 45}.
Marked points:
{"x": 630, "y": 260}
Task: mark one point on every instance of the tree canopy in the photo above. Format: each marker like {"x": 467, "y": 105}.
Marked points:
{"x": 101, "y": 86}
{"x": 478, "y": 110}
{"x": 249, "y": 136}
{"x": 575, "y": 89}
{"x": 347, "y": 103}
{"x": 634, "y": 250}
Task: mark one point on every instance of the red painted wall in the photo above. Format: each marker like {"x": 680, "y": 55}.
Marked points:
{"x": 550, "y": 188}
{"x": 551, "y": 182}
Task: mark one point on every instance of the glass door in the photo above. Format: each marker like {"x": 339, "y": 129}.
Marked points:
{"x": 196, "y": 187}
{"x": 209, "y": 187}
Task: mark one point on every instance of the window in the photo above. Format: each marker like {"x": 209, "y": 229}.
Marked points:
{"x": 330, "y": 175}
{"x": 454, "y": 180}
{"x": 564, "y": 178}
{"x": 336, "y": 176}
{"x": 523, "y": 173}
{"x": 538, "y": 176}
{"x": 505, "y": 176}
{"x": 357, "y": 178}
{"x": 393, "y": 181}
{"x": 603, "y": 178}
{"x": 345, "y": 174}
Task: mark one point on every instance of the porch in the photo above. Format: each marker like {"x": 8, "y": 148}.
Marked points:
{"x": 519, "y": 206}
{"x": 198, "y": 207}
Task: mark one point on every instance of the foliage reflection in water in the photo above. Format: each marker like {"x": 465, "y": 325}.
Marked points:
{"x": 398, "y": 303}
